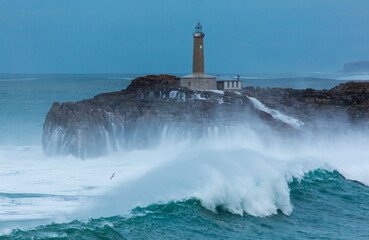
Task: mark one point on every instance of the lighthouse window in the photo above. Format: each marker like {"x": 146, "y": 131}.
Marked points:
{"x": 189, "y": 83}
{"x": 200, "y": 46}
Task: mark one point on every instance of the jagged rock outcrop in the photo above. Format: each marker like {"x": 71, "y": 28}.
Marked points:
{"x": 155, "y": 107}
{"x": 347, "y": 103}
{"x": 151, "y": 108}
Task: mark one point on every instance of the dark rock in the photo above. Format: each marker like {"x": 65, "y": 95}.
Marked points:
{"x": 308, "y": 105}
{"x": 156, "y": 107}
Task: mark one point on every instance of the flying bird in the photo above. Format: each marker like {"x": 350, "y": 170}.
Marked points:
{"x": 112, "y": 176}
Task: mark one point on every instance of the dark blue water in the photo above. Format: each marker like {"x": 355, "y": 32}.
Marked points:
{"x": 264, "y": 181}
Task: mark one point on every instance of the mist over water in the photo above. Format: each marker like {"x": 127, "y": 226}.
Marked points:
{"x": 241, "y": 172}
{"x": 265, "y": 178}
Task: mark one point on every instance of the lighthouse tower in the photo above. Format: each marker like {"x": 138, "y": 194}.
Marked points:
{"x": 198, "y": 50}
{"x": 198, "y": 79}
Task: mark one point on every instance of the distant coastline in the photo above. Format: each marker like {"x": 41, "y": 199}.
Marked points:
{"x": 356, "y": 67}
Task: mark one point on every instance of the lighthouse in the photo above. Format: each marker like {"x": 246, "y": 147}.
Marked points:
{"x": 198, "y": 80}
{"x": 198, "y": 50}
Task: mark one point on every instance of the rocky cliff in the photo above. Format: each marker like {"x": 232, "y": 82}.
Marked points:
{"x": 347, "y": 103}
{"x": 155, "y": 107}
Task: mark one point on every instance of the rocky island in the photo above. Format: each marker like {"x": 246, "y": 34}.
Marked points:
{"x": 156, "y": 107}
{"x": 356, "y": 67}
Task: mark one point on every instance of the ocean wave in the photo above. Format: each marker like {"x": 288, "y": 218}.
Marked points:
{"x": 320, "y": 196}
{"x": 242, "y": 173}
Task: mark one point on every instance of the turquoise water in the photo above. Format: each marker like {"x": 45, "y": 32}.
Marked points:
{"x": 238, "y": 188}
{"x": 326, "y": 207}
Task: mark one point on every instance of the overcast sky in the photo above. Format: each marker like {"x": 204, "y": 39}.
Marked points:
{"x": 155, "y": 36}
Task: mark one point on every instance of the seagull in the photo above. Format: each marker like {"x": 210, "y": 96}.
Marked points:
{"x": 112, "y": 176}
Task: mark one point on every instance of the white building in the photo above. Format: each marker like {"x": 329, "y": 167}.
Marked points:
{"x": 228, "y": 83}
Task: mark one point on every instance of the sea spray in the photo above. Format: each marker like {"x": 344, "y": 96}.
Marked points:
{"x": 237, "y": 180}
{"x": 241, "y": 172}
{"x": 37, "y": 190}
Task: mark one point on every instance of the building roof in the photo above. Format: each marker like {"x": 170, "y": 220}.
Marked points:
{"x": 198, "y": 75}
{"x": 226, "y": 78}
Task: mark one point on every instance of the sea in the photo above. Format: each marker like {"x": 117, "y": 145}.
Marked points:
{"x": 242, "y": 186}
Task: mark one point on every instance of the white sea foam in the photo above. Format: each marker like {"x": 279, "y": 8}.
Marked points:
{"x": 242, "y": 172}
{"x": 276, "y": 114}
{"x": 173, "y": 94}
{"x": 216, "y": 91}
{"x": 33, "y": 186}
{"x": 198, "y": 96}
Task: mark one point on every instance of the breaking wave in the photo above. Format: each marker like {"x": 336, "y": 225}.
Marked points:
{"x": 242, "y": 173}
